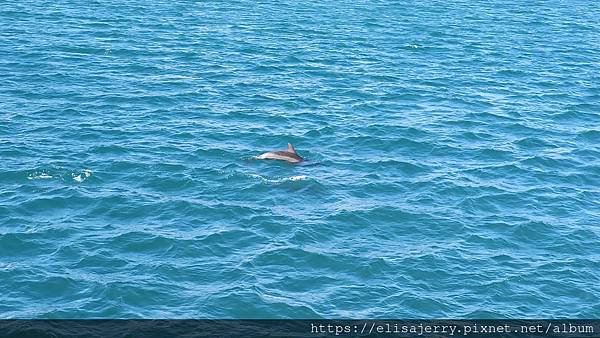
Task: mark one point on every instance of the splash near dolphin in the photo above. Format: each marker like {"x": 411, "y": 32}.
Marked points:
{"x": 288, "y": 155}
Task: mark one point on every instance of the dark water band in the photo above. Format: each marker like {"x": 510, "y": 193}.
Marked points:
{"x": 298, "y": 328}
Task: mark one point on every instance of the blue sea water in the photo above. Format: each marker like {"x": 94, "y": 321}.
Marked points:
{"x": 453, "y": 147}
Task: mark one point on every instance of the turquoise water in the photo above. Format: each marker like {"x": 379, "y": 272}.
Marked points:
{"x": 453, "y": 159}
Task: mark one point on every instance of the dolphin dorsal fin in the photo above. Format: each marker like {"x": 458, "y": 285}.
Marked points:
{"x": 291, "y": 148}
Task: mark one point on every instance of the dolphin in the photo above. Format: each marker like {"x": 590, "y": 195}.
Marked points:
{"x": 284, "y": 155}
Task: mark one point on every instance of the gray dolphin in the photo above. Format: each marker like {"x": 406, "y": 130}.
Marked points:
{"x": 285, "y": 155}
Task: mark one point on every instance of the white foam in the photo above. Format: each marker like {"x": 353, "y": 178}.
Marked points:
{"x": 82, "y": 176}
{"x": 39, "y": 176}
{"x": 298, "y": 178}
{"x": 279, "y": 180}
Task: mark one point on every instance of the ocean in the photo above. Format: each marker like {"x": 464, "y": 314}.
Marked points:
{"x": 452, "y": 159}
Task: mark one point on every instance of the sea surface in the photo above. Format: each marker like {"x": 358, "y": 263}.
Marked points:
{"x": 452, "y": 147}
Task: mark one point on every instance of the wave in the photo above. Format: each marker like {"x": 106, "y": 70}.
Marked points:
{"x": 279, "y": 180}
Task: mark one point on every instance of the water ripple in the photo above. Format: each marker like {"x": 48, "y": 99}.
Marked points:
{"x": 453, "y": 161}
